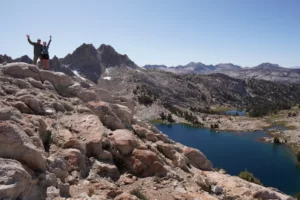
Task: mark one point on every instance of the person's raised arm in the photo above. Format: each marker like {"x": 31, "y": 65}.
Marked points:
{"x": 30, "y": 42}
{"x": 49, "y": 42}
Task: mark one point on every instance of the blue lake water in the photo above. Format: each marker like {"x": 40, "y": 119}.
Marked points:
{"x": 278, "y": 128}
{"x": 235, "y": 112}
{"x": 274, "y": 165}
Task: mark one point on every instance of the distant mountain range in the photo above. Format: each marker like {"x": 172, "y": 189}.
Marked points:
{"x": 199, "y": 67}
{"x": 265, "y": 71}
{"x": 194, "y": 67}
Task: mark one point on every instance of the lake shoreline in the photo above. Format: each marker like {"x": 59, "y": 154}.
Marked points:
{"x": 290, "y": 136}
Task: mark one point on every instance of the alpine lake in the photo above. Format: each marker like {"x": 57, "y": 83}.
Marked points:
{"x": 275, "y": 165}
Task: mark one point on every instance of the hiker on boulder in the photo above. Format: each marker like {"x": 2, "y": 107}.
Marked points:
{"x": 45, "y": 54}
{"x": 37, "y": 49}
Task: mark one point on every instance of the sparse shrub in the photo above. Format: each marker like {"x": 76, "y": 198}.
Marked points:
{"x": 145, "y": 95}
{"x": 105, "y": 134}
{"x": 47, "y": 142}
{"x": 184, "y": 114}
{"x": 136, "y": 192}
{"x": 276, "y": 140}
{"x": 297, "y": 196}
{"x": 163, "y": 116}
{"x": 145, "y": 100}
{"x": 171, "y": 108}
{"x": 298, "y": 156}
{"x": 170, "y": 118}
{"x": 91, "y": 192}
{"x": 156, "y": 179}
{"x": 214, "y": 126}
{"x": 216, "y": 169}
{"x": 249, "y": 177}
{"x": 204, "y": 110}
{"x": 193, "y": 109}
{"x": 263, "y": 108}
{"x": 290, "y": 114}
{"x": 258, "y": 112}
{"x": 106, "y": 145}
{"x": 190, "y": 117}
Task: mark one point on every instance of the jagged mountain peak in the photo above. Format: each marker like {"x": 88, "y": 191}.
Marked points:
{"x": 228, "y": 66}
{"x": 106, "y": 47}
{"x": 195, "y": 63}
{"x": 85, "y": 45}
{"x": 111, "y": 58}
{"x": 91, "y": 62}
{"x": 268, "y": 66}
{"x": 87, "y": 49}
{"x": 5, "y": 58}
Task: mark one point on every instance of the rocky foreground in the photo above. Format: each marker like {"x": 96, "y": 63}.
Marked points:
{"x": 64, "y": 138}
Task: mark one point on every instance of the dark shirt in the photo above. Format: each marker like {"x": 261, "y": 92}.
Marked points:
{"x": 45, "y": 48}
{"x": 37, "y": 47}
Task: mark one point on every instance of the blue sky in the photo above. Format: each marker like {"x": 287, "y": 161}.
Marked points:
{"x": 171, "y": 32}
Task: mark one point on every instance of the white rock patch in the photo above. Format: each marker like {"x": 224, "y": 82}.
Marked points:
{"x": 107, "y": 78}
{"x": 78, "y": 75}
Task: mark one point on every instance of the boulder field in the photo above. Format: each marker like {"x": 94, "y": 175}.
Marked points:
{"x": 60, "y": 139}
